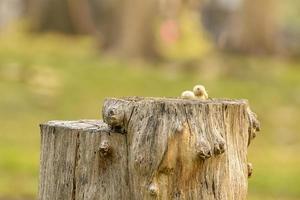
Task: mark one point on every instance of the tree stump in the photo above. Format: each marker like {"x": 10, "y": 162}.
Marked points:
{"x": 150, "y": 148}
{"x": 82, "y": 160}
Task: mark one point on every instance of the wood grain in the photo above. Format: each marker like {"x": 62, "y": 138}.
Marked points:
{"x": 75, "y": 166}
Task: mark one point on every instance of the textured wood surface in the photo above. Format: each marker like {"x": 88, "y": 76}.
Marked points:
{"x": 184, "y": 149}
{"x": 150, "y": 148}
{"x": 82, "y": 160}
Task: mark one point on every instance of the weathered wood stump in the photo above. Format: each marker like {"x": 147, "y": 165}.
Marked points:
{"x": 150, "y": 148}
{"x": 82, "y": 160}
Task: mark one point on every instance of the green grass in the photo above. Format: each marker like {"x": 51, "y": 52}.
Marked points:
{"x": 45, "y": 77}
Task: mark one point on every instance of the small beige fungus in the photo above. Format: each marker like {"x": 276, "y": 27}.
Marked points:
{"x": 187, "y": 95}
{"x": 200, "y": 92}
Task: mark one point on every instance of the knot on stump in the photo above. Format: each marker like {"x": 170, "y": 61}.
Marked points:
{"x": 219, "y": 146}
{"x": 249, "y": 169}
{"x": 204, "y": 150}
{"x": 105, "y": 148}
{"x": 117, "y": 113}
{"x": 153, "y": 189}
{"x": 254, "y": 125}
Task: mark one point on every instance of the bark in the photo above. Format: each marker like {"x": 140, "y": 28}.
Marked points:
{"x": 185, "y": 149}
{"x": 82, "y": 160}
{"x": 151, "y": 148}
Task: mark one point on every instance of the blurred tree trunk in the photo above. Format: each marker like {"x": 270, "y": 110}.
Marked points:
{"x": 106, "y": 16}
{"x": 259, "y": 26}
{"x": 51, "y": 15}
{"x": 81, "y": 16}
{"x": 136, "y": 37}
{"x": 242, "y": 26}
{"x": 67, "y": 16}
{"x": 125, "y": 28}
{"x": 11, "y": 10}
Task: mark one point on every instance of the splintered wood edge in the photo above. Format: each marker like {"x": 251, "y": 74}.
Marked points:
{"x": 178, "y": 100}
{"x": 82, "y": 125}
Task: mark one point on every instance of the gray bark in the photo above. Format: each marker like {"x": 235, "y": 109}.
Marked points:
{"x": 82, "y": 160}
{"x": 151, "y": 148}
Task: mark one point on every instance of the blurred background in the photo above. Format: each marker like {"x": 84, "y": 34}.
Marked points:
{"x": 59, "y": 59}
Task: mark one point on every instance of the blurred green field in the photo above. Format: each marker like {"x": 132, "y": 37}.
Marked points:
{"x": 45, "y": 77}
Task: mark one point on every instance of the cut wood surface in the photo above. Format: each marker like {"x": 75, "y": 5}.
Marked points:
{"x": 150, "y": 148}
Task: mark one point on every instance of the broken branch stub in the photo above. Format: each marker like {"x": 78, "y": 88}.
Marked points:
{"x": 254, "y": 125}
{"x": 116, "y": 113}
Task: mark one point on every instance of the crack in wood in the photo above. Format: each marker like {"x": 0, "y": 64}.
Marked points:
{"x": 77, "y": 157}
{"x": 127, "y": 165}
{"x": 187, "y": 120}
